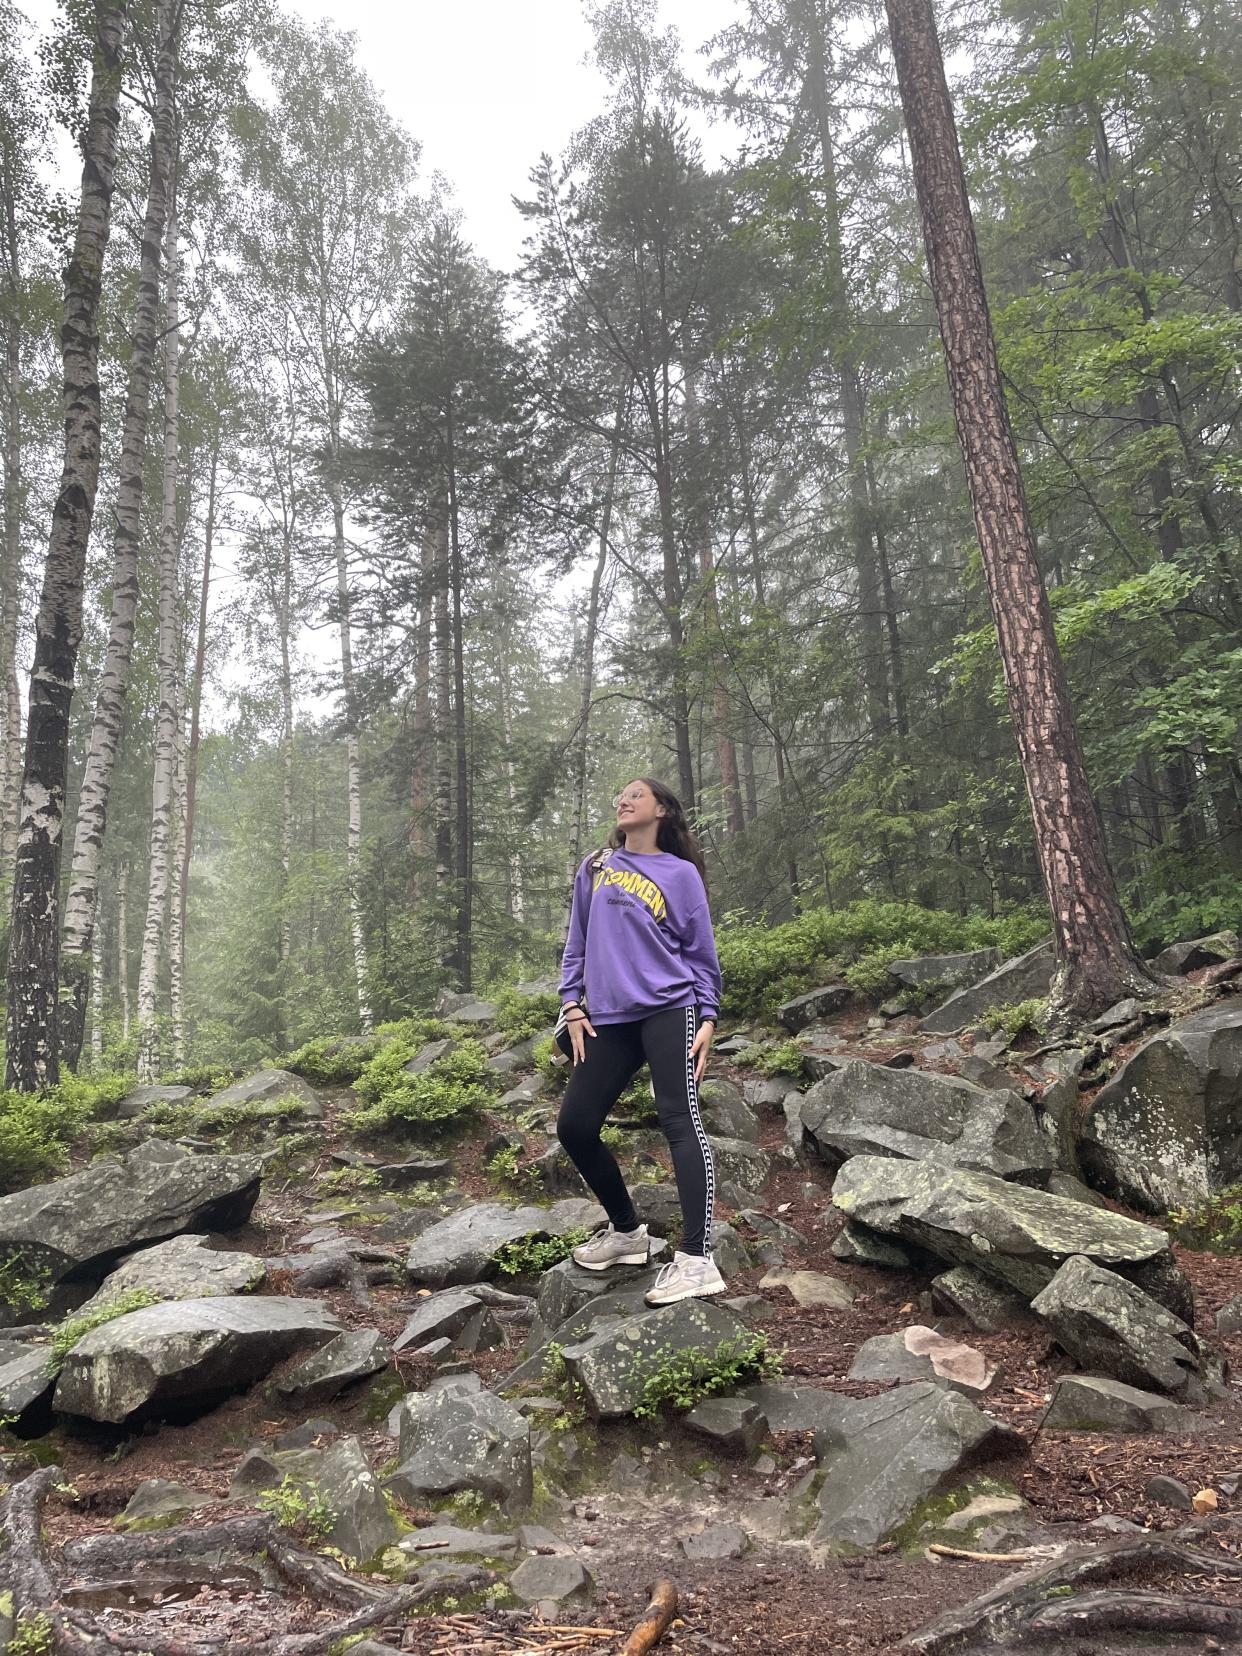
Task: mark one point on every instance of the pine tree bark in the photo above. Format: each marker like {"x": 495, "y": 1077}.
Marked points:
{"x": 159, "y": 878}
{"x": 32, "y": 1056}
{"x": 444, "y": 751}
{"x": 96, "y": 786}
{"x": 1096, "y": 960}
{"x": 464, "y": 891}
{"x": 422, "y": 798}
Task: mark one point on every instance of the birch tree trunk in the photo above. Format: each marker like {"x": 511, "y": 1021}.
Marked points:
{"x": 97, "y": 999}
{"x": 176, "y": 929}
{"x": 96, "y": 787}
{"x": 353, "y": 780}
{"x": 166, "y": 727}
{"x": 1096, "y": 961}
{"x": 122, "y": 944}
{"x": 10, "y": 564}
{"x": 196, "y": 686}
{"x": 32, "y": 1057}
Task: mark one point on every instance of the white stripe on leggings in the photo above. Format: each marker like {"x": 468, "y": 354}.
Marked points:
{"x": 692, "y": 1098}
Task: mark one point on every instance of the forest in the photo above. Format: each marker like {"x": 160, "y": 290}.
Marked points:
{"x": 400, "y": 565}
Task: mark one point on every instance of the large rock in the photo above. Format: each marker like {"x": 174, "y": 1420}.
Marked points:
{"x": 865, "y": 1109}
{"x": 920, "y": 1353}
{"x": 185, "y": 1352}
{"x": 1167, "y": 1130}
{"x": 1106, "y": 1323}
{"x": 891, "y": 1452}
{"x": 952, "y": 969}
{"x": 79, "y": 1226}
{"x": 360, "y": 1521}
{"x": 453, "y": 1314}
{"x": 610, "y": 1369}
{"x": 355, "y": 1355}
{"x": 1020, "y": 1236}
{"x": 987, "y": 1305}
{"x": 141, "y": 1098}
{"x": 462, "y": 1247}
{"x": 1197, "y": 952}
{"x": 185, "y": 1267}
{"x": 1088, "y": 1403}
{"x": 1026, "y": 977}
{"x": 796, "y": 1014}
{"x": 743, "y": 1163}
{"x": 26, "y": 1382}
{"x": 451, "y": 1440}
{"x": 726, "y": 1113}
{"x": 265, "y": 1086}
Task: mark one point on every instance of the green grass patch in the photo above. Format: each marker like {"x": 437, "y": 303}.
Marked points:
{"x": 79, "y": 1325}
{"x": 1214, "y": 1226}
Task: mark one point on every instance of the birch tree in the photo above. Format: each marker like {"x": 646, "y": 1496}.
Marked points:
{"x": 89, "y": 830}
{"x": 31, "y": 1048}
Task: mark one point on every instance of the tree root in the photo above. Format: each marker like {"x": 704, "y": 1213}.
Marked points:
{"x": 1131, "y": 1613}
{"x": 655, "y": 1620}
{"x": 1008, "y": 1612}
{"x": 37, "y": 1581}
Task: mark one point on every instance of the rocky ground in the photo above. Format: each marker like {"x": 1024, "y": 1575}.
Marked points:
{"x": 326, "y": 1412}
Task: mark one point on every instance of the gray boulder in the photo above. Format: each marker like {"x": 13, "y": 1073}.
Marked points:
{"x": 552, "y": 1579}
{"x": 1021, "y": 1237}
{"x": 1105, "y": 1322}
{"x": 726, "y": 1113}
{"x": 185, "y": 1352}
{"x": 716, "y": 1541}
{"x": 266, "y": 1086}
{"x": 1026, "y": 977}
{"x": 610, "y": 1369}
{"x": 362, "y": 1524}
{"x": 796, "y": 1014}
{"x": 160, "y": 1501}
{"x": 26, "y": 1388}
{"x": 743, "y": 1163}
{"x": 797, "y": 1408}
{"x": 346, "y": 1359}
{"x": 1167, "y": 1130}
{"x": 142, "y": 1098}
{"x": 1197, "y": 952}
{"x": 450, "y": 1541}
{"x": 451, "y": 1440}
{"x": 735, "y": 1424}
{"x": 987, "y": 1305}
{"x": 866, "y": 1109}
{"x": 1087, "y": 1403}
{"x": 184, "y": 1267}
{"x": 453, "y": 1314}
{"x": 860, "y": 1245}
{"x": 1229, "y": 1317}
{"x": 920, "y": 1353}
{"x": 79, "y": 1226}
{"x": 606, "y": 1309}
{"x": 461, "y": 1248}
{"x": 952, "y": 969}
{"x": 891, "y": 1452}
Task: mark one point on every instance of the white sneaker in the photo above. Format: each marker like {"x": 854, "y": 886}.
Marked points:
{"x": 686, "y": 1276}
{"x": 610, "y": 1247}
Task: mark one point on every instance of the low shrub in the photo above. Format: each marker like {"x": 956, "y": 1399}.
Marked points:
{"x": 1214, "y": 1226}
{"x": 521, "y": 1016}
{"x": 687, "y": 1376}
{"x": 333, "y": 1060}
{"x": 450, "y": 1090}
{"x": 298, "y": 1506}
{"x": 533, "y": 1254}
{"x": 1017, "y": 1018}
{"x": 37, "y": 1130}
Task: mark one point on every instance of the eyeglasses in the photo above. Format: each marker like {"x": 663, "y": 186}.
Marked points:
{"x": 635, "y": 797}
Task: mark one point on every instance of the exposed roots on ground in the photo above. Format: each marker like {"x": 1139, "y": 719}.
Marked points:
{"x": 1019, "y": 1610}
{"x": 38, "y": 1581}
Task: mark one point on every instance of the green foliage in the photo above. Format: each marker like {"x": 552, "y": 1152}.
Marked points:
{"x": 530, "y": 1255}
{"x": 506, "y": 1168}
{"x": 38, "y": 1129}
{"x": 1017, "y": 1018}
{"x": 762, "y": 966}
{"x": 236, "y": 1124}
{"x": 344, "y": 1179}
{"x": 332, "y": 1061}
{"x": 686, "y": 1376}
{"x": 32, "y": 1636}
{"x": 298, "y": 1506}
{"x": 521, "y": 1016}
{"x": 204, "y": 1079}
{"x": 23, "y": 1286}
{"x": 77, "y": 1326}
{"x": 451, "y": 1090}
{"x": 1214, "y": 1226}
{"x": 785, "y": 1058}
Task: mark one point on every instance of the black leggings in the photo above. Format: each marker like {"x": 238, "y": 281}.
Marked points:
{"x": 612, "y": 1058}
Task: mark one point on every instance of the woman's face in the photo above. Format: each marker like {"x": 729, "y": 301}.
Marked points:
{"x": 636, "y": 806}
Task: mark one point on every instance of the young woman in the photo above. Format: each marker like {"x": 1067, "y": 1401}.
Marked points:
{"x": 641, "y": 948}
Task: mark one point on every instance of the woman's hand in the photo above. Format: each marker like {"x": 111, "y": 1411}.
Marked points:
{"x": 579, "y": 1026}
{"x": 702, "y": 1045}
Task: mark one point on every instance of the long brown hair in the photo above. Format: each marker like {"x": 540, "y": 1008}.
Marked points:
{"x": 673, "y": 832}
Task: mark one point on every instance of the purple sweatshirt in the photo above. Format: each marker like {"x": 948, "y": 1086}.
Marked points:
{"x": 649, "y": 944}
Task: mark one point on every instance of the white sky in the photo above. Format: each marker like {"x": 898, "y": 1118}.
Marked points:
{"x": 486, "y": 85}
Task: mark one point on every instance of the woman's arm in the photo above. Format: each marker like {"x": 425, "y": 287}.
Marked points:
{"x": 574, "y": 956}
{"x": 698, "y": 947}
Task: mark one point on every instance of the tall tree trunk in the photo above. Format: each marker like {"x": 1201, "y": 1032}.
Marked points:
{"x": 504, "y": 694}
{"x": 464, "y": 892}
{"x": 283, "y": 597}
{"x": 32, "y": 1054}
{"x": 422, "y": 770}
{"x": 445, "y": 901}
{"x": 88, "y": 838}
{"x": 1096, "y": 960}
{"x": 726, "y": 750}
{"x": 176, "y": 927}
{"x": 196, "y": 685}
{"x": 353, "y": 776}
{"x": 166, "y": 727}
{"x": 10, "y": 564}
{"x": 122, "y": 944}
{"x": 97, "y": 997}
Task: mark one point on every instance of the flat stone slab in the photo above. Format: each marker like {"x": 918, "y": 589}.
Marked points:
{"x": 1020, "y": 1236}
{"x": 865, "y": 1109}
{"x": 812, "y": 1288}
{"x": 1025, "y": 977}
{"x": 964, "y": 968}
{"x": 184, "y": 1267}
{"x": 736, "y": 1424}
{"x": 716, "y": 1541}
{"x": 141, "y": 1098}
{"x": 82, "y": 1224}
{"x": 610, "y": 1369}
{"x": 789, "y": 1408}
{"x": 448, "y": 1541}
{"x": 893, "y": 1451}
{"x": 986, "y": 1304}
{"x": 920, "y": 1353}
{"x": 461, "y": 1247}
{"x": 454, "y": 1314}
{"x": 161, "y": 1498}
{"x": 346, "y": 1359}
{"x": 555, "y": 1578}
{"x": 1090, "y": 1403}
{"x": 452, "y": 1439}
{"x": 266, "y": 1086}
{"x": 1106, "y": 1323}
{"x": 185, "y": 1350}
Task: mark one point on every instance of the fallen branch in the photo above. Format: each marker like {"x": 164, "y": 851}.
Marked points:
{"x": 980, "y": 1557}
{"x": 655, "y": 1622}
{"x": 1132, "y": 1613}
